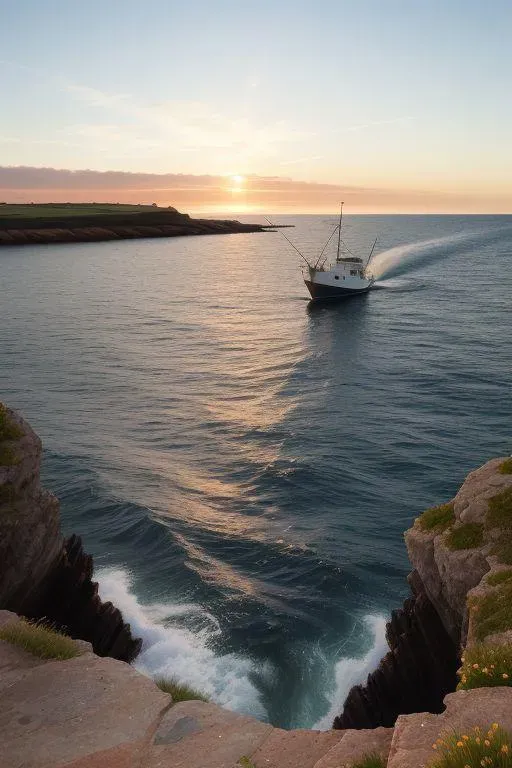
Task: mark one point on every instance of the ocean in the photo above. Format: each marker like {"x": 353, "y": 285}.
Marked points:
{"x": 242, "y": 464}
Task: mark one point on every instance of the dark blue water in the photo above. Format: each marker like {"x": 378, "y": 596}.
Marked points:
{"x": 242, "y": 465}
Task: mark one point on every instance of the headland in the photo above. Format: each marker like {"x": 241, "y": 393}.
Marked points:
{"x": 54, "y": 223}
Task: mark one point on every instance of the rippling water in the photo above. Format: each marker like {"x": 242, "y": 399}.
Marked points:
{"x": 241, "y": 464}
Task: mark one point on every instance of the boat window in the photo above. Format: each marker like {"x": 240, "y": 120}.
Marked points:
{"x": 353, "y": 271}
{"x": 336, "y": 277}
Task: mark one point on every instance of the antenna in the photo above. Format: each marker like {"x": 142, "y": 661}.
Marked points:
{"x": 339, "y": 233}
{"x": 289, "y": 241}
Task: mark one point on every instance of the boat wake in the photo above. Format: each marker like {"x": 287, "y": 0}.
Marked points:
{"x": 353, "y": 671}
{"x": 170, "y": 650}
{"x": 403, "y": 258}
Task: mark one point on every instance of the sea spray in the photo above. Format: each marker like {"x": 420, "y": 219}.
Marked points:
{"x": 174, "y": 651}
{"x": 353, "y": 671}
{"x": 395, "y": 261}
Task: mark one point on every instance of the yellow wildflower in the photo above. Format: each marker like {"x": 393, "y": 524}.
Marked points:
{"x": 466, "y": 738}
{"x": 505, "y": 676}
{"x": 504, "y": 749}
{"x": 460, "y": 744}
{"x": 495, "y": 726}
{"x": 477, "y": 739}
{"x": 475, "y": 666}
{"x": 487, "y": 743}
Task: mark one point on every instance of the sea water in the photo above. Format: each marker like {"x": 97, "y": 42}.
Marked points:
{"x": 241, "y": 464}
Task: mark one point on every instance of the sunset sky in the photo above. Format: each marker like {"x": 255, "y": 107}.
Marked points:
{"x": 399, "y": 106}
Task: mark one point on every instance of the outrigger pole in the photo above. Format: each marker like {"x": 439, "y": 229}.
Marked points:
{"x": 371, "y": 253}
{"x": 292, "y": 245}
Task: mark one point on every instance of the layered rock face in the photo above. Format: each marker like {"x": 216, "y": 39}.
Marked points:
{"x": 455, "y": 550}
{"x": 115, "y": 225}
{"x": 43, "y": 576}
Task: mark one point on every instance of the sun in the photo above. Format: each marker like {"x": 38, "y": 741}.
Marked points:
{"x": 236, "y": 179}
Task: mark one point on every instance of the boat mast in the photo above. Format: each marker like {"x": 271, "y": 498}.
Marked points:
{"x": 339, "y": 233}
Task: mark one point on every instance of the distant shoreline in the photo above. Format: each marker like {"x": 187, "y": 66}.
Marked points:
{"x": 54, "y": 223}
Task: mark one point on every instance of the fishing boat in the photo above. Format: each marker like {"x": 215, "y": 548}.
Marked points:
{"x": 346, "y": 276}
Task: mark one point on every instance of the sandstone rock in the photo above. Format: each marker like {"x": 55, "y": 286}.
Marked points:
{"x": 414, "y": 735}
{"x": 290, "y": 749}
{"x": 354, "y": 745}
{"x": 60, "y": 713}
{"x": 194, "y": 734}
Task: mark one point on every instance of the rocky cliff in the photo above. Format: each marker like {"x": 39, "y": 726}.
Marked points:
{"x": 42, "y": 575}
{"x": 67, "y": 226}
{"x": 461, "y": 583}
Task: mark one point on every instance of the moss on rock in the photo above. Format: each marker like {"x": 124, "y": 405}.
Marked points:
{"x": 437, "y": 519}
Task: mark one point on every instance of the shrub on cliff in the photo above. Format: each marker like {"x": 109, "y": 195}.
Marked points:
{"x": 39, "y": 640}
{"x": 506, "y": 467}
{"x": 179, "y": 691}
{"x": 492, "y": 613}
{"x": 485, "y": 666}
{"x": 474, "y": 749}
{"x": 466, "y": 536}
{"x": 9, "y": 430}
{"x": 372, "y": 760}
{"x": 500, "y": 516}
{"x": 437, "y": 519}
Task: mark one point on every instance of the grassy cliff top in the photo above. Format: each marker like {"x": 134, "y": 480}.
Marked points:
{"x": 41, "y": 214}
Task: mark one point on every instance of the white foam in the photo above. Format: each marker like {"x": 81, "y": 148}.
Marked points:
{"x": 394, "y": 259}
{"x": 353, "y": 671}
{"x": 174, "y": 651}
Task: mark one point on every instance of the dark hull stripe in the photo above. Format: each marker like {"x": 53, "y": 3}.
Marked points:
{"x": 318, "y": 291}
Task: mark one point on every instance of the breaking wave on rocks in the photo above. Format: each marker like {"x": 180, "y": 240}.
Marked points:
{"x": 353, "y": 671}
{"x": 169, "y": 650}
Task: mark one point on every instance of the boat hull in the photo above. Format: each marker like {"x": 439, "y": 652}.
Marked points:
{"x": 324, "y": 292}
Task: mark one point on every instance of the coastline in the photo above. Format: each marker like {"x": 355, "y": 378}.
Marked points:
{"x": 69, "y": 223}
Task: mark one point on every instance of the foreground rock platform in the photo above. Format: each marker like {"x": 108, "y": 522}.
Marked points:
{"x": 94, "y": 712}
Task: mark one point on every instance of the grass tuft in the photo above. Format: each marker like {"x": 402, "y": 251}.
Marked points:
{"x": 478, "y": 747}
{"x": 506, "y": 467}
{"x": 499, "y": 577}
{"x": 467, "y": 536}
{"x": 500, "y": 510}
{"x": 9, "y": 430}
{"x": 492, "y": 613}
{"x": 437, "y": 519}
{"x": 179, "y": 691}
{"x": 372, "y": 760}
{"x": 485, "y": 666}
{"x": 39, "y": 640}
{"x": 246, "y": 762}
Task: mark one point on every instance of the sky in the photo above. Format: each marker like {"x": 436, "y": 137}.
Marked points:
{"x": 396, "y": 106}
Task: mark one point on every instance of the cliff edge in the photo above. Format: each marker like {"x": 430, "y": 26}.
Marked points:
{"x": 42, "y": 575}
{"x": 461, "y": 553}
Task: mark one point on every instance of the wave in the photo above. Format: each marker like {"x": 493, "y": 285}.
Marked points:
{"x": 353, "y": 671}
{"x": 169, "y": 650}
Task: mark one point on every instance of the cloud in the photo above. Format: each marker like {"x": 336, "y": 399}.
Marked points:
{"x": 208, "y": 192}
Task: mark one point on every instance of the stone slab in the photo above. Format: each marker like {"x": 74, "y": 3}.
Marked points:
{"x": 294, "y": 749}
{"x": 62, "y": 713}
{"x": 356, "y": 744}
{"x": 195, "y": 734}
{"x": 414, "y": 735}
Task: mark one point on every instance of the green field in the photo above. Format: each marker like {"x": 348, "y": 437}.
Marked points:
{"x": 25, "y": 212}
